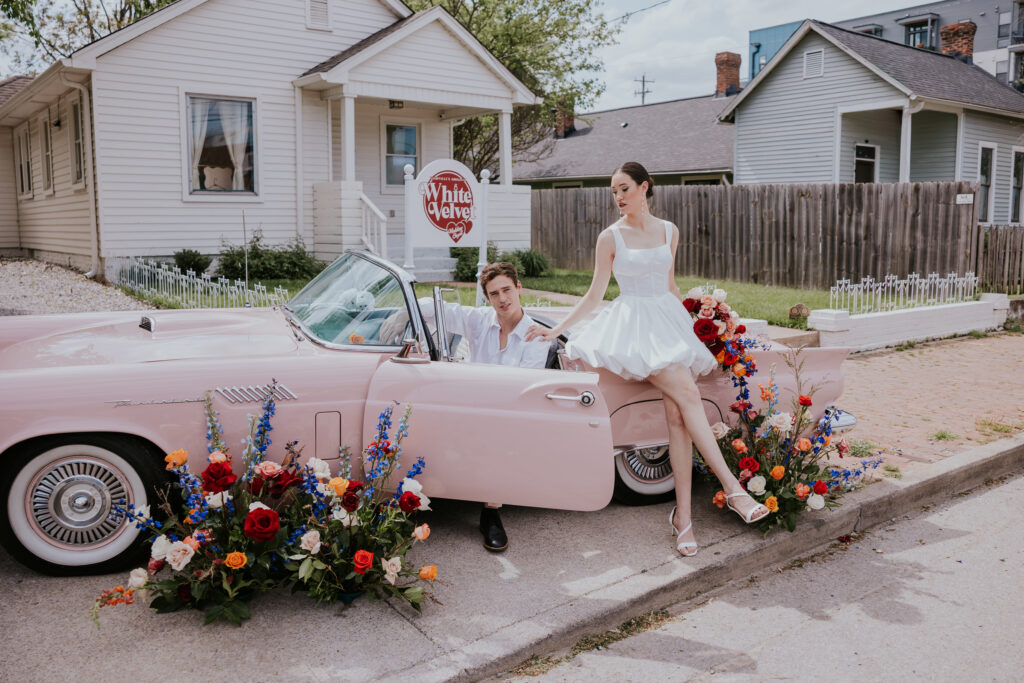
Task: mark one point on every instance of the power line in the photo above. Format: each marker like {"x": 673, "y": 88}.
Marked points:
{"x": 627, "y": 15}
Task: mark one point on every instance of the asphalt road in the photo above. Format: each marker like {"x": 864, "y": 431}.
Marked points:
{"x": 934, "y": 597}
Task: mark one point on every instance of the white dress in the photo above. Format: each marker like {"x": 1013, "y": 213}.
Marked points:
{"x": 646, "y": 329}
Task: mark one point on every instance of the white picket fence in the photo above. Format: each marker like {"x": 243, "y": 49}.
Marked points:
{"x": 892, "y": 293}
{"x": 188, "y": 289}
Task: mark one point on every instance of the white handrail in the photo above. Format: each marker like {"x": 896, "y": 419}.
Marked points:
{"x": 375, "y": 227}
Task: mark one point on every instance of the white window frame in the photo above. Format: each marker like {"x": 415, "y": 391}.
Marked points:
{"x": 386, "y": 121}
{"x": 255, "y": 197}
{"x": 45, "y": 154}
{"x": 309, "y": 18}
{"x": 1014, "y": 151}
{"x": 820, "y": 51}
{"x": 73, "y": 100}
{"x": 982, "y": 144}
{"x": 23, "y": 160}
{"x": 877, "y": 159}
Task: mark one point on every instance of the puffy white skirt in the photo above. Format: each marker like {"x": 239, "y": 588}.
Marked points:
{"x": 638, "y": 336}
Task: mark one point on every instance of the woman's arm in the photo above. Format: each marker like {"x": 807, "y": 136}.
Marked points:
{"x": 603, "y": 256}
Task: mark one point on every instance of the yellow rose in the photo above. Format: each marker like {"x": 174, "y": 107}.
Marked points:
{"x": 739, "y": 370}
{"x": 235, "y": 560}
{"x": 340, "y": 485}
{"x": 176, "y": 459}
{"x": 428, "y": 572}
{"x": 772, "y": 504}
{"x": 777, "y": 472}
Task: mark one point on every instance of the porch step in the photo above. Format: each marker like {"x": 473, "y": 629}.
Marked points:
{"x": 431, "y": 264}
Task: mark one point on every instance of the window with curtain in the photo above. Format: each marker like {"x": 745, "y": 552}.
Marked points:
{"x": 984, "y": 183}
{"x": 221, "y": 150}
{"x": 400, "y": 149}
{"x": 46, "y": 150}
{"x": 23, "y": 159}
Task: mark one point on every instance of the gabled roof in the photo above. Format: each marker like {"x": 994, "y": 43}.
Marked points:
{"x": 9, "y": 87}
{"x": 667, "y": 137}
{"x": 917, "y": 73}
{"x": 363, "y": 44}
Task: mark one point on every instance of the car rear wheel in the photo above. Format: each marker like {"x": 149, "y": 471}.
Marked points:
{"x": 60, "y": 497}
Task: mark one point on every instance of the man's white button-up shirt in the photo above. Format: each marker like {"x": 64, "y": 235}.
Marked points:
{"x": 480, "y": 328}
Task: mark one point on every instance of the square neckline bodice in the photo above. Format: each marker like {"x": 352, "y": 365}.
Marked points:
{"x": 621, "y": 241}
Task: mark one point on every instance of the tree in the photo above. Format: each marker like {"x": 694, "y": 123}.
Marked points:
{"x": 549, "y": 45}
{"x": 35, "y": 33}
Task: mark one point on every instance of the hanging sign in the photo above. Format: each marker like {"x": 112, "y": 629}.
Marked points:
{"x": 444, "y": 206}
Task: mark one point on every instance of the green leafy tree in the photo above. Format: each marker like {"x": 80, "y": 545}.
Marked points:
{"x": 35, "y": 33}
{"x": 549, "y": 45}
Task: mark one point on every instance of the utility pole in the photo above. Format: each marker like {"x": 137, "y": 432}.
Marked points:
{"x": 643, "y": 91}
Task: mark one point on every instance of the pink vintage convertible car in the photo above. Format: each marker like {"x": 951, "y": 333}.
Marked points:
{"x": 92, "y": 402}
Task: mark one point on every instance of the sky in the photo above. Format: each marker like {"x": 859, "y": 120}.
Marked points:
{"x": 675, "y": 43}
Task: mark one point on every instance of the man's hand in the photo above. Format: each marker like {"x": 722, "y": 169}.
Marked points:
{"x": 393, "y": 328}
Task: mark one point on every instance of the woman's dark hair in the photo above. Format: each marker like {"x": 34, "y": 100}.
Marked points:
{"x": 639, "y": 174}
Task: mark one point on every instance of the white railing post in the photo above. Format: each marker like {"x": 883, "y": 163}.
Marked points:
{"x": 410, "y": 208}
{"x": 481, "y": 224}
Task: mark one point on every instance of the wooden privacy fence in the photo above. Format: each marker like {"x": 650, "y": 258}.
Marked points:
{"x": 1000, "y": 265}
{"x": 793, "y": 235}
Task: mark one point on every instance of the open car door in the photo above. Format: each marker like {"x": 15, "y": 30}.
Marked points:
{"x": 500, "y": 434}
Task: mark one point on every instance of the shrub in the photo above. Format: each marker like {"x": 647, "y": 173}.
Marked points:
{"x": 528, "y": 262}
{"x": 533, "y": 263}
{"x": 285, "y": 262}
{"x": 466, "y": 260}
{"x": 190, "y": 259}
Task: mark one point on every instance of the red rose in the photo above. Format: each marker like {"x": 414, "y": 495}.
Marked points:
{"x": 715, "y": 346}
{"x": 256, "y": 485}
{"x": 740, "y": 329}
{"x": 805, "y": 400}
{"x": 218, "y": 477}
{"x": 155, "y": 565}
{"x": 350, "y": 501}
{"x": 728, "y": 359}
{"x": 705, "y": 329}
{"x": 261, "y": 525}
{"x": 282, "y": 482}
{"x": 363, "y": 560}
{"x": 749, "y": 463}
{"x": 739, "y": 407}
{"x": 355, "y": 486}
{"x": 821, "y": 488}
{"x": 409, "y": 502}
{"x": 691, "y": 305}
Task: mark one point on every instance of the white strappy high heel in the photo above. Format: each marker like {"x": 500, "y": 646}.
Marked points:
{"x": 680, "y": 545}
{"x": 749, "y": 518}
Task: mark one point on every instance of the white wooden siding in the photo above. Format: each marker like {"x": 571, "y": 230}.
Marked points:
{"x": 8, "y": 192}
{"x": 932, "y": 146}
{"x": 1005, "y": 133}
{"x": 877, "y": 127}
{"x": 249, "y": 48}
{"x": 784, "y": 130}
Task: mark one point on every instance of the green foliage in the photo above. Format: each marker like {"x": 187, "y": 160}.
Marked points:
{"x": 290, "y": 261}
{"x": 466, "y": 261}
{"x": 190, "y": 259}
{"x": 528, "y": 262}
{"x": 944, "y": 435}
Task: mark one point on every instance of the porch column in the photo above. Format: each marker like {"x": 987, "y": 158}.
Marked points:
{"x": 905, "y": 145}
{"x": 348, "y": 137}
{"x": 505, "y": 148}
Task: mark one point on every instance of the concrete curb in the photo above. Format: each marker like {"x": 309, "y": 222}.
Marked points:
{"x": 733, "y": 558}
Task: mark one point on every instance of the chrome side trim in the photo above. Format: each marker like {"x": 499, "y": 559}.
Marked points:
{"x": 255, "y": 393}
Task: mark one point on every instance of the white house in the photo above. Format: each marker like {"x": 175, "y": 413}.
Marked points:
{"x": 299, "y": 114}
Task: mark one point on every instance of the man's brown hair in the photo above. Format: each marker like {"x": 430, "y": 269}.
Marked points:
{"x": 493, "y": 270}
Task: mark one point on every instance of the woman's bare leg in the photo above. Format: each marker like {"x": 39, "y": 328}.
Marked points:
{"x": 677, "y": 385}
{"x": 680, "y": 449}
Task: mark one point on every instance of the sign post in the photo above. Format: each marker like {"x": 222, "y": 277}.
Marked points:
{"x": 485, "y": 181}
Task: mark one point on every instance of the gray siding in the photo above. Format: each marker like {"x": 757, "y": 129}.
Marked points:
{"x": 1005, "y": 134}
{"x": 880, "y": 127}
{"x": 932, "y": 146}
{"x": 785, "y": 129}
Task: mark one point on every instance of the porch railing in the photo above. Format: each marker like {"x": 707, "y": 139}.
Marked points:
{"x": 891, "y": 293}
{"x": 375, "y": 227}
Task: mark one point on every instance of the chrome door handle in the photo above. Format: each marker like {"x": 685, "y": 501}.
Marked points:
{"x": 585, "y": 399}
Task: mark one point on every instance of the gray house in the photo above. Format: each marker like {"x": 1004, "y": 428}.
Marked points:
{"x": 841, "y": 106}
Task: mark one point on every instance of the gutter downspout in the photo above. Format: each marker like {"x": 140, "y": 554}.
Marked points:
{"x": 90, "y": 174}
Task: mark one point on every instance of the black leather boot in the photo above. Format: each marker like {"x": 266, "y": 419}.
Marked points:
{"x": 495, "y": 539}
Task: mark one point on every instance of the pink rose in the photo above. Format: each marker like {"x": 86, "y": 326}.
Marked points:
{"x": 708, "y": 301}
{"x": 723, "y": 308}
{"x": 217, "y": 456}
{"x": 745, "y": 476}
{"x": 706, "y": 312}
{"x": 268, "y": 469}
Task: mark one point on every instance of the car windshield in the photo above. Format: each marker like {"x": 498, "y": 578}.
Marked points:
{"x": 353, "y": 301}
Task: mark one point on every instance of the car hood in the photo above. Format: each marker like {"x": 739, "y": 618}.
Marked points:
{"x": 120, "y": 338}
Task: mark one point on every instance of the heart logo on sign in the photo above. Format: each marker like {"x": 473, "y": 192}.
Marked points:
{"x": 448, "y": 203}
{"x": 459, "y": 230}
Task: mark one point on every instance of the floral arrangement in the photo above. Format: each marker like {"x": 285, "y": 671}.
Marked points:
{"x": 236, "y": 535}
{"x": 717, "y": 326}
{"x": 781, "y": 457}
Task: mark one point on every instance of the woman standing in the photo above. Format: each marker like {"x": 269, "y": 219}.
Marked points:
{"x": 647, "y": 334}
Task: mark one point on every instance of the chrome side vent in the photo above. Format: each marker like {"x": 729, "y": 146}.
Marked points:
{"x": 255, "y": 393}
{"x": 147, "y": 323}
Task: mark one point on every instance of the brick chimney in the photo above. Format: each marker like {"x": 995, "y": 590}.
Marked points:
{"x": 565, "y": 121}
{"x": 958, "y": 40}
{"x": 727, "y": 65}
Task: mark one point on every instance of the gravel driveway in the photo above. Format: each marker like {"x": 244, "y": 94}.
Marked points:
{"x": 33, "y": 287}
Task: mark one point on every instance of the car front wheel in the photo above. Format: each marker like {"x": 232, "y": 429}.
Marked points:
{"x": 61, "y": 495}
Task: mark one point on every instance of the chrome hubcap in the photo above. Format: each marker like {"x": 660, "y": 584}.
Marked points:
{"x": 70, "y": 502}
{"x": 648, "y": 465}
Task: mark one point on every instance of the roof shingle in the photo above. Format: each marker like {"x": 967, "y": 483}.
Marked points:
{"x": 10, "y": 87}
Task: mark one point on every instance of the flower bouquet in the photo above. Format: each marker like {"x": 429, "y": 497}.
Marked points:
{"x": 717, "y": 325}
{"x": 236, "y": 535}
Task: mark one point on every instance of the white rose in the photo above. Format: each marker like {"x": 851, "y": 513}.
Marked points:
{"x": 256, "y": 505}
{"x": 720, "y": 326}
{"x": 695, "y": 293}
{"x": 781, "y": 423}
{"x": 160, "y": 547}
{"x": 179, "y": 555}
{"x": 719, "y": 295}
{"x": 815, "y": 501}
{"x": 320, "y": 468}
{"x": 719, "y": 429}
{"x": 417, "y": 489}
{"x": 345, "y": 517}
{"x": 216, "y": 500}
{"x": 734, "y": 315}
{"x": 756, "y": 485}
{"x": 310, "y": 542}
{"x": 138, "y": 578}
{"x": 391, "y": 568}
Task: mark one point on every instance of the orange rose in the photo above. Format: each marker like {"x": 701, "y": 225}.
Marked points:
{"x": 777, "y": 472}
{"x": 740, "y": 446}
{"x": 191, "y": 542}
{"x": 802, "y": 491}
{"x": 356, "y": 338}
{"x": 176, "y": 459}
{"x": 803, "y": 445}
{"x": 721, "y": 356}
{"x": 235, "y": 560}
{"x": 772, "y": 504}
{"x": 719, "y": 499}
{"x": 428, "y": 572}
{"x": 340, "y": 485}
{"x": 739, "y": 370}
{"x": 422, "y": 531}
